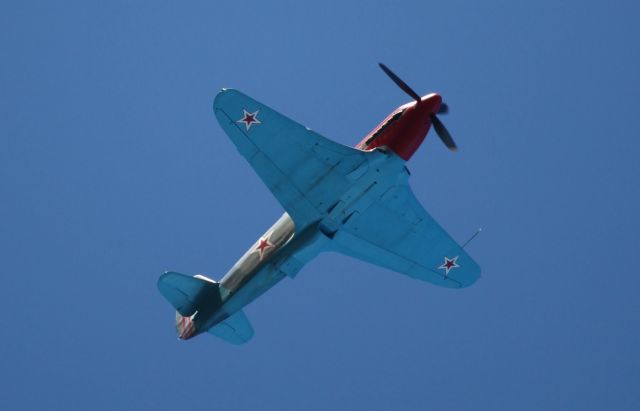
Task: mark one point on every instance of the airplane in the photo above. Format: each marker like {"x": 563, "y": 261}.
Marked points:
{"x": 356, "y": 201}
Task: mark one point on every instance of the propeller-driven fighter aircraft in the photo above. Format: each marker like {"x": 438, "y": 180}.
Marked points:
{"x": 356, "y": 201}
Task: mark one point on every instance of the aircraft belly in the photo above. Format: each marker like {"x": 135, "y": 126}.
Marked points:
{"x": 250, "y": 280}
{"x": 281, "y": 242}
{"x": 259, "y": 254}
{"x": 263, "y": 280}
{"x": 382, "y": 173}
{"x": 282, "y": 252}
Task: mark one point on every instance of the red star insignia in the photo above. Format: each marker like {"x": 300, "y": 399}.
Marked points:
{"x": 449, "y": 264}
{"x": 263, "y": 245}
{"x": 249, "y": 119}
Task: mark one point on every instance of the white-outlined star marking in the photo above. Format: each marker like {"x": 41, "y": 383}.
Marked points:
{"x": 449, "y": 264}
{"x": 264, "y": 243}
{"x": 249, "y": 119}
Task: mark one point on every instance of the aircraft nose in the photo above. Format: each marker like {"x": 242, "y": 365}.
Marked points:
{"x": 431, "y": 102}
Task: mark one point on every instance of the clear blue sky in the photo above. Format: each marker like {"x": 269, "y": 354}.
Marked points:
{"x": 113, "y": 169}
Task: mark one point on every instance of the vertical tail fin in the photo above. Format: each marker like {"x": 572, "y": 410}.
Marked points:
{"x": 186, "y": 326}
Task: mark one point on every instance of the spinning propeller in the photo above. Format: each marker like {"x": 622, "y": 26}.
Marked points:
{"x": 440, "y": 129}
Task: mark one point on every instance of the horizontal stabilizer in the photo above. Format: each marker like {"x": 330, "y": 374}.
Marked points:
{"x": 186, "y": 293}
{"x": 235, "y": 329}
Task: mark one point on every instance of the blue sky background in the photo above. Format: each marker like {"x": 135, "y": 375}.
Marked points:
{"x": 113, "y": 169}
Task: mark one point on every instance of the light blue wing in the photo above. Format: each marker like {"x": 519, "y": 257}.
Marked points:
{"x": 306, "y": 172}
{"x": 235, "y": 329}
{"x": 397, "y": 233}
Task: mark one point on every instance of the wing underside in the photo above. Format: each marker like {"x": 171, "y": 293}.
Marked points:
{"x": 308, "y": 174}
{"x": 305, "y": 171}
{"x": 397, "y": 233}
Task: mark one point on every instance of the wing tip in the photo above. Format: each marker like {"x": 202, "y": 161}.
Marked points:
{"x": 223, "y": 93}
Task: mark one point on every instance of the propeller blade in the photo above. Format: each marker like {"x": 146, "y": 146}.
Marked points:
{"x": 442, "y": 132}
{"x": 444, "y": 108}
{"x": 399, "y": 82}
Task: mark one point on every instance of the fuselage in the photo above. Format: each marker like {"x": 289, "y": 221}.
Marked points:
{"x": 284, "y": 248}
